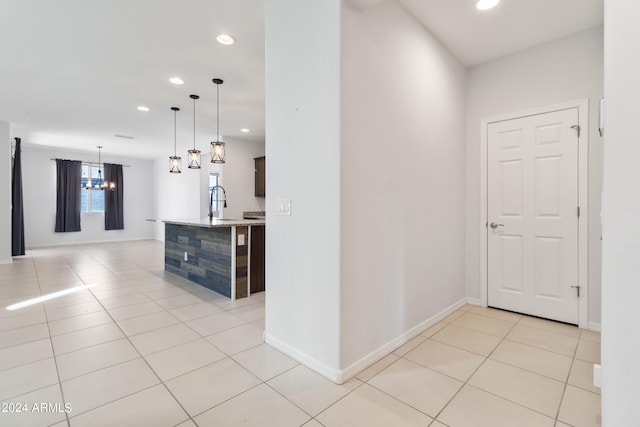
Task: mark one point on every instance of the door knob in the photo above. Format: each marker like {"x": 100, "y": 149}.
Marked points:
{"x": 494, "y": 225}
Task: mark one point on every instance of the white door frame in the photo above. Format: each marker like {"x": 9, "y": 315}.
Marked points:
{"x": 583, "y": 199}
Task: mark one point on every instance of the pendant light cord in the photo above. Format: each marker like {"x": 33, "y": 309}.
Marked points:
{"x": 217, "y": 113}
{"x": 175, "y": 151}
{"x": 99, "y": 161}
{"x": 194, "y": 123}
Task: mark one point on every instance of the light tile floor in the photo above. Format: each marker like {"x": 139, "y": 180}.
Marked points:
{"x": 144, "y": 348}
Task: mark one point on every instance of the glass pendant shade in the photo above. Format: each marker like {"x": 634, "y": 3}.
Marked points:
{"x": 175, "y": 164}
{"x": 194, "y": 159}
{"x": 194, "y": 154}
{"x": 217, "y": 152}
{"x": 217, "y": 146}
{"x": 175, "y": 161}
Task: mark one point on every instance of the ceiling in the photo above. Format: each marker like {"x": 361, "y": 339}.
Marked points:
{"x": 74, "y": 71}
{"x": 475, "y": 36}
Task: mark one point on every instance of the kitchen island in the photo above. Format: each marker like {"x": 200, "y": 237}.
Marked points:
{"x": 224, "y": 255}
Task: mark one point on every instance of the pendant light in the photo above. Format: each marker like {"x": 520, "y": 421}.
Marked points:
{"x": 100, "y": 183}
{"x": 217, "y": 146}
{"x": 175, "y": 161}
{"x": 107, "y": 185}
{"x": 194, "y": 155}
{"x": 104, "y": 185}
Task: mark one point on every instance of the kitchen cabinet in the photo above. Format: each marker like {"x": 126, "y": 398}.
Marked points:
{"x": 260, "y": 176}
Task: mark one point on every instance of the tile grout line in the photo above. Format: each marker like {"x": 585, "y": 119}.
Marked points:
{"x": 566, "y": 383}
{"x": 148, "y": 365}
{"x": 55, "y": 360}
{"x": 141, "y": 356}
{"x": 27, "y": 342}
{"x": 466, "y": 382}
{"x": 200, "y": 337}
{"x": 488, "y": 357}
{"x": 362, "y": 383}
{"x": 228, "y": 310}
{"x": 426, "y": 367}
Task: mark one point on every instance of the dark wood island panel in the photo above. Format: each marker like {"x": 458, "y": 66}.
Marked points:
{"x": 226, "y": 256}
{"x": 208, "y": 251}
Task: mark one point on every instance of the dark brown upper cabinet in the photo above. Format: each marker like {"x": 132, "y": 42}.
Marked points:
{"x": 260, "y": 176}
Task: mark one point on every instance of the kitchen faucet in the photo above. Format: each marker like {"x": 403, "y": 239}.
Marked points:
{"x": 211, "y": 199}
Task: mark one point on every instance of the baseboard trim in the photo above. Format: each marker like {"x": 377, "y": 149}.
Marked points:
{"x": 92, "y": 242}
{"x": 353, "y": 369}
{"x": 474, "y": 301}
{"x": 593, "y": 326}
{"x": 339, "y": 376}
{"x": 308, "y": 361}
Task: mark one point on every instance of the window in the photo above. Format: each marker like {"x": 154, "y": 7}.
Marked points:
{"x": 215, "y": 205}
{"x": 92, "y": 200}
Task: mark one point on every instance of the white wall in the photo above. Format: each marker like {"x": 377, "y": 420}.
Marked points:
{"x": 303, "y": 155}
{"x": 621, "y": 244}
{"x": 5, "y": 193}
{"x": 564, "y": 70}
{"x": 371, "y": 157}
{"x": 39, "y": 189}
{"x": 186, "y": 195}
{"x": 402, "y": 175}
{"x": 177, "y": 195}
{"x": 237, "y": 178}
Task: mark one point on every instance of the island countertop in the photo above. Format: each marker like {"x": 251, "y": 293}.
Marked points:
{"x": 212, "y": 223}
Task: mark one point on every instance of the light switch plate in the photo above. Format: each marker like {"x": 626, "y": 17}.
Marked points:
{"x": 241, "y": 240}
{"x": 283, "y": 207}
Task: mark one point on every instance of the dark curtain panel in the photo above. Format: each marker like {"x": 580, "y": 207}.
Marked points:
{"x": 113, "y": 212}
{"x": 68, "y": 183}
{"x": 17, "y": 209}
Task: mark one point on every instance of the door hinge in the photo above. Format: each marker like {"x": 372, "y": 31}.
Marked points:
{"x": 578, "y": 211}
{"x": 577, "y": 128}
{"x": 578, "y": 287}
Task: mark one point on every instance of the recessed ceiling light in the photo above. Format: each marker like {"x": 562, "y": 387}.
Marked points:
{"x": 176, "y": 80}
{"x": 225, "y": 39}
{"x": 487, "y": 4}
{"x": 143, "y": 108}
{"x": 245, "y": 130}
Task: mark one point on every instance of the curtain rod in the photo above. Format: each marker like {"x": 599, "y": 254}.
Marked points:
{"x": 94, "y": 163}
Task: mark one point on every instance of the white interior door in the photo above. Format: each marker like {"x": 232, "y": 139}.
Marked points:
{"x": 532, "y": 211}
